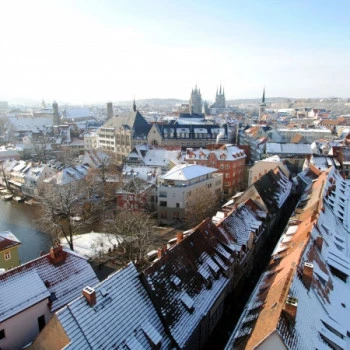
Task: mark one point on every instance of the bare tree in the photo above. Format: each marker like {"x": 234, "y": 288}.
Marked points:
{"x": 133, "y": 229}
{"x": 59, "y": 206}
{"x": 5, "y": 175}
{"x": 199, "y": 206}
{"x": 42, "y": 148}
{"x": 102, "y": 183}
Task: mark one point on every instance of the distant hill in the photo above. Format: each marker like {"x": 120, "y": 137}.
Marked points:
{"x": 154, "y": 101}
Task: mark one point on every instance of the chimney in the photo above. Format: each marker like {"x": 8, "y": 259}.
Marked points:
{"x": 290, "y": 309}
{"x": 179, "y": 237}
{"x": 319, "y": 243}
{"x": 57, "y": 255}
{"x": 160, "y": 253}
{"x": 90, "y": 295}
{"x": 307, "y": 275}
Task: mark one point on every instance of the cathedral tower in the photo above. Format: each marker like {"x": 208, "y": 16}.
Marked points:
{"x": 196, "y": 101}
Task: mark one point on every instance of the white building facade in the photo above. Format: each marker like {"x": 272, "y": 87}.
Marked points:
{"x": 183, "y": 182}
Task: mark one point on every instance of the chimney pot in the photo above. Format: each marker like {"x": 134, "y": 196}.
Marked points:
{"x": 179, "y": 237}
{"x": 57, "y": 254}
{"x": 290, "y": 309}
{"x": 90, "y": 295}
{"x": 160, "y": 253}
{"x": 307, "y": 274}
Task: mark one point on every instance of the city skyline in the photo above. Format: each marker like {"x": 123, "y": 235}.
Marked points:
{"x": 89, "y": 51}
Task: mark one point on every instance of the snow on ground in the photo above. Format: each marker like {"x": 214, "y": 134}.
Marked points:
{"x": 92, "y": 244}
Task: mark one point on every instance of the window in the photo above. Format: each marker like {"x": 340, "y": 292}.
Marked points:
{"x": 41, "y": 322}
{"x": 7, "y": 255}
{"x": 177, "y": 205}
{"x": 2, "y": 333}
{"x": 163, "y": 204}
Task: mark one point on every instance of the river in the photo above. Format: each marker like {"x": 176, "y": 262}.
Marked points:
{"x": 20, "y": 219}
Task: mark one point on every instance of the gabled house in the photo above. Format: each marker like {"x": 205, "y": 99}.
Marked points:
{"x": 34, "y": 177}
{"x": 9, "y": 256}
{"x": 300, "y": 301}
{"x": 143, "y": 155}
{"x": 121, "y": 133}
{"x": 31, "y": 293}
{"x": 229, "y": 160}
{"x": 245, "y": 226}
{"x": 136, "y": 195}
{"x": 69, "y": 175}
{"x": 180, "y": 185}
{"x": 114, "y": 314}
{"x": 262, "y": 167}
{"x": 188, "y": 284}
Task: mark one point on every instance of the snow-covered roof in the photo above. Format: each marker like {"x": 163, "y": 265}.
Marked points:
{"x": 77, "y": 113}
{"x": 8, "y": 240}
{"x": 38, "y": 279}
{"x": 68, "y": 175}
{"x": 21, "y": 292}
{"x": 122, "y": 318}
{"x": 30, "y": 124}
{"x": 146, "y": 173}
{"x": 303, "y": 295}
{"x": 288, "y": 148}
{"x": 187, "y": 172}
{"x": 241, "y": 223}
{"x": 179, "y": 286}
{"x": 228, "y": 153}
{"x": 153, "y": 157}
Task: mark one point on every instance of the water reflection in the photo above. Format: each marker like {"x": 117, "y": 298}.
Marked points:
{"x": 20, "y": 218}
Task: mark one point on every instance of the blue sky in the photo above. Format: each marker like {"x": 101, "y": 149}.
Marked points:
{"x": 96, "y": 51}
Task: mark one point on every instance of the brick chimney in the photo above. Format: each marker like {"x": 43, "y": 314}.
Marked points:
{"x": 308, "y": 271}
{"x": 160, "y": 253}
{"x": 57, "y": 255}
{"x": 290, "y": 309}
{"x": 90, "y": 295}
{"x": 179, "y": 237}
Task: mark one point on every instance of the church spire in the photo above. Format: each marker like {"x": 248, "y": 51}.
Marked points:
{"x": 263, "y": 98}
{"x": 134, "y": 105}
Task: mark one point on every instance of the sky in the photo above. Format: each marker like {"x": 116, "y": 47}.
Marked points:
{"x": 88, "y": 51}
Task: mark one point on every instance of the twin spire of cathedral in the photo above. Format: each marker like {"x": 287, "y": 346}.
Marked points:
{"x": 220, "y": 92}
{"x": 196, "y": 100}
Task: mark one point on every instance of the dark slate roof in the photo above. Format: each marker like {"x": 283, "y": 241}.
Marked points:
{"x": 122, "y": 318}
{"x": 241, "y": 223}
{"x": 274, "y": 188}
{"x": 185, "y": 283}
{"x": 133, "y": 120}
